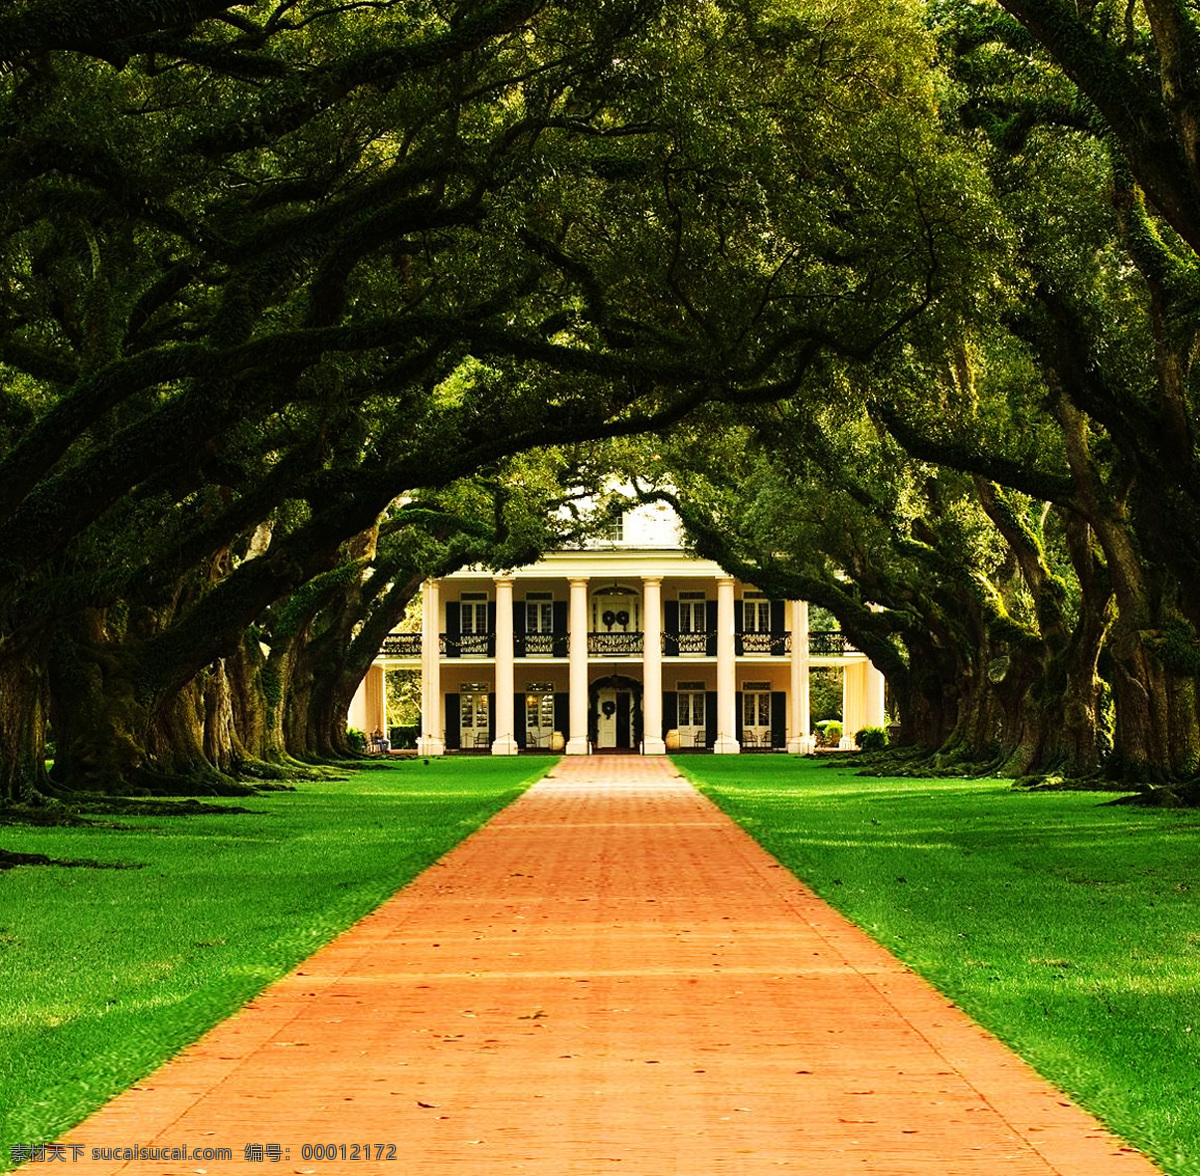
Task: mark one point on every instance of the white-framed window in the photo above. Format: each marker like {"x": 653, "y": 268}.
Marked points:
{"x": 473, "y": 710}
{"x": 613, "y": 531}
{"x": 539, "y": 713}
{"x": 692, "y": 614}
{"x": 691, "y": 706}
{"x": 756, "y": 707}
{"x": 539, "y": 612}
{"x": 473, "y": 613}
{"x": 756, "y": 613}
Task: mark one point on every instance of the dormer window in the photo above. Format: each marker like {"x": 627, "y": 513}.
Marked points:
{"x": 613, "y": 531}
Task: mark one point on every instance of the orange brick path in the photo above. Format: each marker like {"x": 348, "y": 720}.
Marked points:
{"x": 609, "y": 977}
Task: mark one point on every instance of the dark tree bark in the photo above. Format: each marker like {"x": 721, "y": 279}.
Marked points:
{"x": 24, "y": 716}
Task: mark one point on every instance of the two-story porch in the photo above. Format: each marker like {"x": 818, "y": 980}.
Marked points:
{"x": 646, "y": 650}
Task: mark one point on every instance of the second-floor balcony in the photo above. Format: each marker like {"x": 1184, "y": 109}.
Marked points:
{"x": 624, "y": 644}
{"x": 615, "y": 644}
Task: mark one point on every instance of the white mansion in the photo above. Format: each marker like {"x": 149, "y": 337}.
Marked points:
{"x": 628, "y": 643}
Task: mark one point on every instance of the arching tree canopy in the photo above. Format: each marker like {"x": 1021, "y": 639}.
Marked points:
{"x": 1012, "y": 487}
{"x": 303, "y": 301}
{"x": 272, "y": 266}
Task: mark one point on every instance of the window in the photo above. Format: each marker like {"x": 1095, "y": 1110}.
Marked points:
{"x": 756, "y": 613}
{"x": 473, "y": 711}
{"x": 539, "y": 713}
{"x": 691, "y": 708}
{"x": 756, "y": 709}
{"x": 539, "y": 612}
{"x": 692, "y": 615}
{"x": 613, "y": 530}
{"x": 473, "y": 627}
{"x": 474, "y": 613}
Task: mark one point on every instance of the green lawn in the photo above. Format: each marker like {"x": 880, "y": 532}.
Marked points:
{"x": 1070, "y": 929}
{"x": 104, "y": 973}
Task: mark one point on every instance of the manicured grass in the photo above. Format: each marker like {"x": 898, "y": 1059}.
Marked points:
{"x": 1070, "y": 929}
{"x": 105, "y": 973}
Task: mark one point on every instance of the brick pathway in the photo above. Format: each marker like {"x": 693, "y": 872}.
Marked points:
{"x": 609, "y": 977}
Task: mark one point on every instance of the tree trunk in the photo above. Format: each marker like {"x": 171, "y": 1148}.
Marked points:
{"x": 320, "y": 690}
{"x": 928, "y": 710}
{"x": 98, "y": 722}
{"x": 114, "y": 739}
{"x": 24, "y": 711}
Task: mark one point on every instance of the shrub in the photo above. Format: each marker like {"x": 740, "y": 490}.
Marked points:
{"x": 871, "y": 739}
{"x": 830, "y": 731}
{"x": 403, "y": 735}
{"x": 356, "y": 739}
{"x": 825, "y": 687}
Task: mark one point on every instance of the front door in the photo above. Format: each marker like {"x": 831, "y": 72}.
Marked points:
{"x": 613, "y": 719}
{"x": 692, "y": 726}
{"x": 756, "y": 718}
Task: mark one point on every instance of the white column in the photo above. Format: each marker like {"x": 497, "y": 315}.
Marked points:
{"x": 431, "y": 741}
{"x": 577, "y": 649}
{"x": 652, "y": 739}
{"x": 853, "y": 696}
{"x": 376, "y": 682}
{"x": 800, "y": 740}
{"x": 505, "y": 742}
{"x": 726, "y": 742}
{"x": 876, "y": 715}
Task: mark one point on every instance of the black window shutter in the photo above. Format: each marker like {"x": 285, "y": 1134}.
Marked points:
{"x": 710, "y": 617}
{"x": 492, "y": 714}
{"x": 453, "y": 630}
{"x": 562, "y": 712}
{"x": 519, "y": 718}
{"x": 518, "y": 628}
{"x": 671, "y": 629}
{"x": 491, "y": 633}
{"x": 710, "y": 717}
{"x": 453, "y": 730}
{"x": 777, "y": 629}
{"x": 670, "y": 711}
{"x": 778, "y": 718}
{"x": 738, "y": 726}
{"x": 559, "y": 621}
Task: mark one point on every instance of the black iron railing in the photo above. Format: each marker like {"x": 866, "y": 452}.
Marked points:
{"x": 820, "y": 644}
{"x": 687, "y": 644}
{"x": 469, "y": 644}
{"x": 824, "y": 643}
{"x": 771, "y": 644}
{"x": 615, "y": 644}
{"x": 402, "y": 645}
{"x": 540, "y": 645}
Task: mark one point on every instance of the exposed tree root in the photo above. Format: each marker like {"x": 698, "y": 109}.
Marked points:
{"x": 139, "y": 806}
{"x": 919, "y": 763}
{"x": 56, "y": 816}
{"x": 85, "y": 806}
{"x": 1093, "y": 782}
{"x": 261, "y": 771}
{"x": 152, "y": 783}
{"x": 10, "y": 861}
{"x": 1184, "y": 795}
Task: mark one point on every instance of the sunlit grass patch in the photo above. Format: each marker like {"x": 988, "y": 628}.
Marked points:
{"x": 1069, "y": 928}
{"x": 108, "y": 972}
